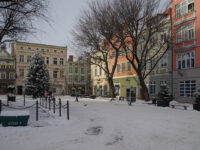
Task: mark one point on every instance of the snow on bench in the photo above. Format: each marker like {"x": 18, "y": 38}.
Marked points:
{"x": 175, "y": 104}
{"x": 15, "y": 113}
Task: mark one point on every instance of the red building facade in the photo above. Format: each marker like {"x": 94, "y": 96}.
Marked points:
{"x": 186, "y": 49}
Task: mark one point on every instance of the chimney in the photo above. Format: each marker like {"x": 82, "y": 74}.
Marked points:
{"x": 70, "y": 58}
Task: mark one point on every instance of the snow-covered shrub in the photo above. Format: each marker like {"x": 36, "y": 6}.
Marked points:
{"x": 164, "y": 93}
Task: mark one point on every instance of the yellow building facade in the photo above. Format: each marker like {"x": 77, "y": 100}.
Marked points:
{"x": 55, "y": 58}
{"x": 100, "y": 85}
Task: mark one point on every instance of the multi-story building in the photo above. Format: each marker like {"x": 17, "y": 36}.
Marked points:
{"x": 162, "y": 74}
{"x": 55, "y": 59}
{"x": 99, "y": 81}
{"x": 77, "y": 77}
{"x": 7, "y": 70}
{"x": 186, "y": 49}
{"x": 125, "y": 76}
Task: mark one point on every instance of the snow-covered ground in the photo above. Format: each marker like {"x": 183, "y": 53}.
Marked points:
{"x": 98, "y": 124}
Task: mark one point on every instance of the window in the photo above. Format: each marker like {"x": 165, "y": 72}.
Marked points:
{"x": 70, "y": 69}
{"x": 3, "y": 75}
{"x": 185, "y": 7}
{"x": 3, "y": 67}
{"x": 152, "y": 63}
{"x": 11, "y": 67}
{"x": 76, "y": 78}
{"x": 61, "y": 74}
{"x": 29, "y": 48}
{"x": 21, "y": 72}
{"x": 117, "y": 88}
{"x": 118, "y": 68}
{"x": 47, "y": 60}
{"x": 21, "y": 47}
{"x": 123, "y": 67}
{"x": 153, "y": 87}
{"x": 128, "y": 66}
{"x": 163, "y": 38}
{"x": 113, "y": 54}
{"x": 21, "y": 58}
{"x": 82, "y": 78}
{"x": 163, "y": 61}
{"x": 55, "y": 74}
{"x": 11, "y": 75}
{"x": 129, "y": 49}
{"x": 100, "y": 71}
{"x": 70, "y": 79}
{"x": 76, "y": 69}
{"x": 61, "y": 61}
{"x": 187, "y": 88}
{"x": 28, "y": 59}
{"x": 185, "y": 60}
{"x": 55, "y": 61}
{"x": 123, "y": 52}
{"x": 190, "y": 6}
{"x": 55, "y": 51}
{"x": 61, "y": 51}
{"x": 95, "y": 72}
{"x": 185, "y": 33}
{"x": 82, "y": 70}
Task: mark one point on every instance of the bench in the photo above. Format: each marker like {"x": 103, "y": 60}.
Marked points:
{"x": 180, "y": 105}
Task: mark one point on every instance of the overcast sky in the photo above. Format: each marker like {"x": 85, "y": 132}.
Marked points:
{"x": 63, "y": 16}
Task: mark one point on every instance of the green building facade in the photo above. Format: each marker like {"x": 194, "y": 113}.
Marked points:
{"x": 122, "y": 84}
{"x": 78, "y": 78}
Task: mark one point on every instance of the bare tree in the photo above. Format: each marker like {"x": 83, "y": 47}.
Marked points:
{"x": 132, "y": 26}
{"x": 96, "y": 34}
{"x": 146, "y": 37}
{"x": 17, "y": 17}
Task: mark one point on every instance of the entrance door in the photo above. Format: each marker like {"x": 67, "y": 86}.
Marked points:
{"x": 19, "y": 90}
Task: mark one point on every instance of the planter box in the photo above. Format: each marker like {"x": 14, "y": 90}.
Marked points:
{"x": 11, "y": 98}
{"x": 14, "y": 118}
{"x": 196, "y": 107}
{"x": 162, "y": 103}
{"x": 93, "y": 96}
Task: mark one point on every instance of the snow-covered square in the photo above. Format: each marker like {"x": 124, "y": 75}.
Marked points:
{"x": 98, "y": 124}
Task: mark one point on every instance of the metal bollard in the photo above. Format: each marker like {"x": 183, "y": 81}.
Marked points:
{"x": 67, "y": 110}
{"x": 49, "y": 104}
{"x": 36, "y": 110}
{"x": 54, "y": 105}
{"x": 59, "y": 107}
{"x": 24, "y": 100}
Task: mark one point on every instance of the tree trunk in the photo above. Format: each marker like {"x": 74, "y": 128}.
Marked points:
{"x": 112, "y": 88}
{"x": 144, "y": 90}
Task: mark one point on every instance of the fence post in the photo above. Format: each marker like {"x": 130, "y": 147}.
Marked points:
{"x": 7, "y": 102}
{"x": 43, "y": 102}
{"x": 67, "y": 110}
{"x": 36, "y": 110}
{"x": 24, "y": 100}
{"x": 46, "y": 102}
{"x": 54, "y": 105}
{"x": 0, "y": 106}
{"x": 49, "y": 104}
{"x": 59, "y": 107}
